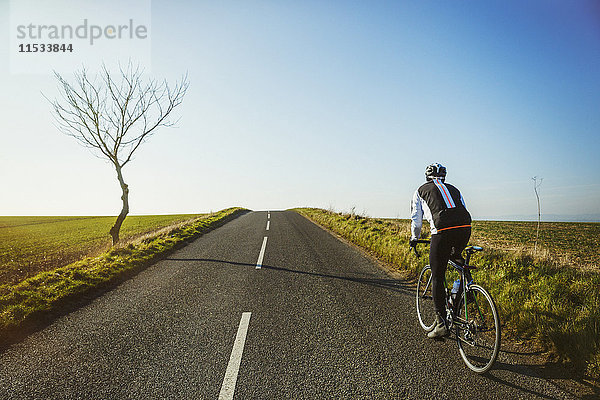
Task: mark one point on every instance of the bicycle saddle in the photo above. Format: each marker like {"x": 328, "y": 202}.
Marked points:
{"x": 473, "y": 249}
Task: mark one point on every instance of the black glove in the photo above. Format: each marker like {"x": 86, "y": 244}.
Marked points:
{"x": 412, "y": 242}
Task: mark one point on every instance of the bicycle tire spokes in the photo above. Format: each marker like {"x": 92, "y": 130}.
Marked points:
{"x": 478, "y": 330}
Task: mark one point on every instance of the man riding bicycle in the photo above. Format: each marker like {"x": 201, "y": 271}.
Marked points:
{"x": 450, "y": 222}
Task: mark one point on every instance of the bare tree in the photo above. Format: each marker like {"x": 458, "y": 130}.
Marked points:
{"x": 537, "y": 182}
{"x": 114, "y": 115}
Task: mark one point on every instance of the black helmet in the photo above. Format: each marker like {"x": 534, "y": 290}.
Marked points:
{"x": 435, "y": 170}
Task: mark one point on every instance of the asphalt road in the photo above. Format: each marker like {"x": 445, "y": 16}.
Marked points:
{"x": 317, "y": 320}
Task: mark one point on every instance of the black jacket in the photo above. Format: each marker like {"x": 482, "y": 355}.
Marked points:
{"x": 441, "y": 204}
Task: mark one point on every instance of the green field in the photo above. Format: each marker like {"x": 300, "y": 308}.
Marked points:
{"x": 570, "y": 243}
{"x": 29, "y": 245}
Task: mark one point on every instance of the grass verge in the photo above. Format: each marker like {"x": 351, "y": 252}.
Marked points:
{"x": 538, "y": 298}
{"x": 34, "y": 299}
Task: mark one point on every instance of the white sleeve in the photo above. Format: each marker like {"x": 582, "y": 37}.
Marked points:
{"x": 416, "y": 216}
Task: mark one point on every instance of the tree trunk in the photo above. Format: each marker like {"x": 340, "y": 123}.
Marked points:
{"x": 114, "y": 231}
{"x": 537, "y": 231}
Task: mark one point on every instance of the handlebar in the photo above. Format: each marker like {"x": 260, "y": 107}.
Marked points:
{"x": 423, "y": 241}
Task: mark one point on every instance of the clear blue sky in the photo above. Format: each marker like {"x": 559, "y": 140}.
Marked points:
{"x": 337, "y": 104}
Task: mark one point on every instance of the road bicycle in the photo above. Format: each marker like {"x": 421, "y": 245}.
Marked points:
{"x": 471, "y": 313}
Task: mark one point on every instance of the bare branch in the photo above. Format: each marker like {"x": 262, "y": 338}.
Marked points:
{"x": 115, "y": 116}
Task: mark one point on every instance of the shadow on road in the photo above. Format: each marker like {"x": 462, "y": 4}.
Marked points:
{"x": 506, "y": 373}
{"x": 395, "y": 285}
{"x": 520, "y": 388}
{"x": 553, "y": 371}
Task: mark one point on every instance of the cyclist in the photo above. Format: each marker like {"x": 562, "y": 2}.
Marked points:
{"x": 450, "y": 222}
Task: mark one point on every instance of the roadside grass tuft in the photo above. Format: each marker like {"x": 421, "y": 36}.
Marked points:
{"x": 539, "y": 298}
{"x": 50, "y": 290}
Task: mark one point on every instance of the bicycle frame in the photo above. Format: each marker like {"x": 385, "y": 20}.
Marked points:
{"x": 466, "y": 280}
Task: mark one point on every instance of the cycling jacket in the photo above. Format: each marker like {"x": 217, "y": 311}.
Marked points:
{"x": 441, "y": 204}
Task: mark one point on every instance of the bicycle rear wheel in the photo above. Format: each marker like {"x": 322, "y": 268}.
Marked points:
{"x": 425, "y": 306}
{"x": 478, "y": 329}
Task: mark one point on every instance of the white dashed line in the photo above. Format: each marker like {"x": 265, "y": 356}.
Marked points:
{"x": 268, "y": 224}
{"x": 262, "y": 254}
{"x": 268, "y": 214}
{"x": 228, "y": 387}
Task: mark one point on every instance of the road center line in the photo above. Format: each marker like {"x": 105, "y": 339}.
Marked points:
{"x": 268, "y": 224}
{"x": 228, "y": 387}
{"x": 268, "y": 214}
{"x": 262, "y": 254}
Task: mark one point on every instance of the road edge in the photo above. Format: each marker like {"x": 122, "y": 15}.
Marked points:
{"x": 32, "y": 313}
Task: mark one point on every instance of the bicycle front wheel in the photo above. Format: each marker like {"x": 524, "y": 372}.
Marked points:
{"x": 425, "y": 306}
{"x": 478, "y": 329}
